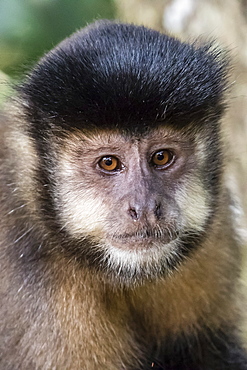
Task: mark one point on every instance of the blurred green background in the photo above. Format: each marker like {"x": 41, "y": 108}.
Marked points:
{"x": 30, "y": 27}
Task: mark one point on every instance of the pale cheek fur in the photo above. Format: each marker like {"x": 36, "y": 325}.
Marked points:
{"x": 192, "y": 201}
{"x": 81, "y": 210}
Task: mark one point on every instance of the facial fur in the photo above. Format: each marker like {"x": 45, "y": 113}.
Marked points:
{"x": 94, "y": 208}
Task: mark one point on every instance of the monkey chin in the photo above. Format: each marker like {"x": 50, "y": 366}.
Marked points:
{"x": 134, "y": 261}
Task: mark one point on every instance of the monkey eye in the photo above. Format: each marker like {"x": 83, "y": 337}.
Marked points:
{"x": 162, "y": 159}
{"x": 110, "y": 163}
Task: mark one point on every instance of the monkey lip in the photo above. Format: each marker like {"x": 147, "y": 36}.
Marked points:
{"x": 142, "y": 241}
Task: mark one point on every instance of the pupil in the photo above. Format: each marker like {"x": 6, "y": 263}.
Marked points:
{"x": 160, "y": 156}
{"x": 108, "y": 161}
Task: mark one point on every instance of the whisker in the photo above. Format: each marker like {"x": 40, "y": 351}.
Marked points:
{"x": 24, "y": 234}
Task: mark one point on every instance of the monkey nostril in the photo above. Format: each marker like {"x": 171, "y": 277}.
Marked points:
{"x": 133, "y": 214}
{"x": 157, "y": 211}
{"x": 153, "y": 214}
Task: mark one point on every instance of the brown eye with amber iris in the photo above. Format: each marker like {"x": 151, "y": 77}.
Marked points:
{"x": 162, "y": 158}
{"x": 109, "y": 163}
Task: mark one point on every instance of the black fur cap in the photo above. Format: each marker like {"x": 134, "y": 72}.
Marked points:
{"x": 128, "y": 77}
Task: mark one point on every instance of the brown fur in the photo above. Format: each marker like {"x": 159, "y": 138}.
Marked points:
{"x": 81, "y": 322}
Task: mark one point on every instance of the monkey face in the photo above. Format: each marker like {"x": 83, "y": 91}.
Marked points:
{"x": 138, "y": 201}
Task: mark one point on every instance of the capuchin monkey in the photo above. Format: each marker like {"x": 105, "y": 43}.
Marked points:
{"x": 118, "y": 250}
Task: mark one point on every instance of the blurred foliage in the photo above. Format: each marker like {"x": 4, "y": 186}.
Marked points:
{"x": 5, "y": 89}
{"x": 30, "y": 27}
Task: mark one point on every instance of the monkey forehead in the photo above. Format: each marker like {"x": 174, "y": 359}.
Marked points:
{"x": 119, "y": 141}
{"x": 116, "y": 75}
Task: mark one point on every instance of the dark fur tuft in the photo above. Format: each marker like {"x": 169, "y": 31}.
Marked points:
{"x": 109, "y": 75}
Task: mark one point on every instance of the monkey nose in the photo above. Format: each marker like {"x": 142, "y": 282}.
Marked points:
{"x": 151, "y": 214}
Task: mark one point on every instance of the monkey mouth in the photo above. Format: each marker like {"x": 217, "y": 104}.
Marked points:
{"x": 144, "y": 239}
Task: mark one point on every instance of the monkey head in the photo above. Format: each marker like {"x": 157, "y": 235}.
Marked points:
{"x": 124, "y": 124}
